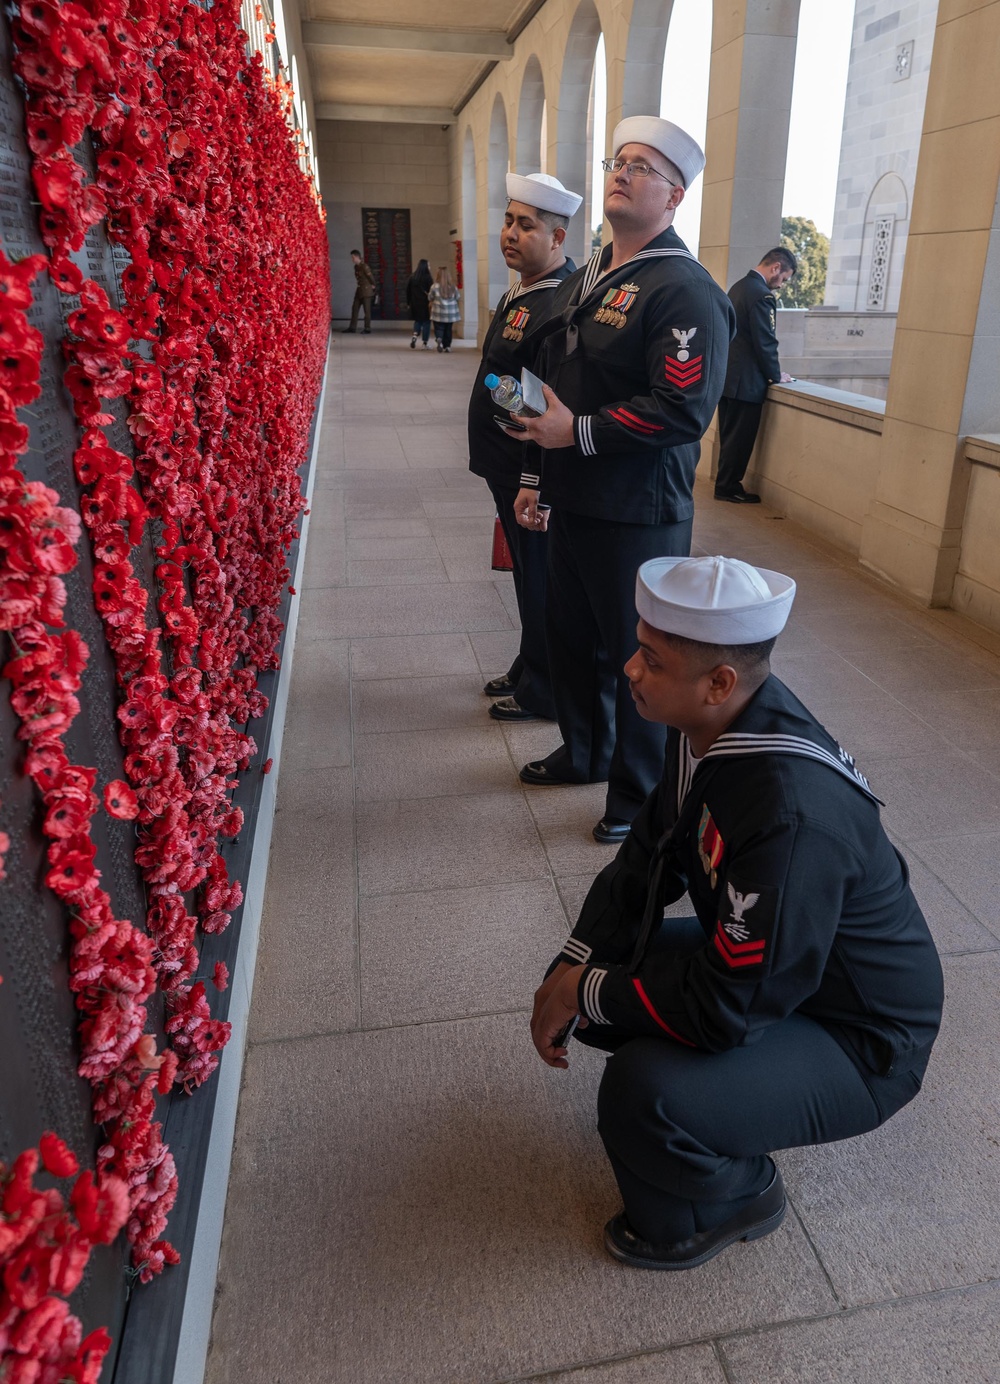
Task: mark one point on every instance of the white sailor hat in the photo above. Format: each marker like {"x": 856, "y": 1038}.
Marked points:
{"x": 541, "y": 191}
{"x": 670, "y": 140}
{"x": 714, "y": 600}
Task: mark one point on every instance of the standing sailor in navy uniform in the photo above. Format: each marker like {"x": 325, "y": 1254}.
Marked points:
{"x": 634, "y": 357}
{"x": 753, "y": 365}
{"x": 538, "y": 212}
{"x": 799, "y": 1005}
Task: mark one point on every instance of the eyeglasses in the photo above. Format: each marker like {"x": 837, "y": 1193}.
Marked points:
{"x": 634, "y": 170}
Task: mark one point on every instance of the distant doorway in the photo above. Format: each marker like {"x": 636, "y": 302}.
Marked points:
{"x": 386, "y": 235}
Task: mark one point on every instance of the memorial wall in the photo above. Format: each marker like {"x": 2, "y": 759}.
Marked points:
{"x": 164, "y": 312}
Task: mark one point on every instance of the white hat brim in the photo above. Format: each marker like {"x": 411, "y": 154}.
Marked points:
{"x": 675, "y": 144}
{"x": 544, "y": 196}
{"x": 748, "y": 624}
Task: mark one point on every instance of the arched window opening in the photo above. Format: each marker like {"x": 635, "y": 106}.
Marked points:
{"x": 597, "y": 138}
{"x": 470, "y": 241}
{"x": 684, "y": 96}
{"x": 498, "y": 167}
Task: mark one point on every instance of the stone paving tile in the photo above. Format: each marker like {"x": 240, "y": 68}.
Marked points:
{"x": 915, "y": 1206}
{"x": 447, "y": 844}
{"x": 363, "y": 530}
{"x": 450, "y": 527}
{"x": 326, "y": 560}
{"x": 967, "y": 866}
{"x": 469, "y": 559}
{"x": 391, "y": 548}
{"x": 954, "y": 1337}
{"x": 401, "y": 704}
{"x": 876, "y": 629}
{"x": 443, "y": 1224}
{"x": 914, "y": 673}
{"x": 938, "y": 794}
{"x": 456, "y": 952}
{"x": 566, "y": 817}
{"x": 496, "y": 651}
{"x": 685, "y": 1365}
{"x": 412, "y": 571}
{"x": 432, "y": 764}
{"x": 530, "y": 740}
{"x": 356, "y": 612}
{"x": 318, "y": 725}
{"x": 967, "y": 719}
{"x": 412, "y": 656}
{"x": 952, "y": 926}
{"x": 307, "y": 967}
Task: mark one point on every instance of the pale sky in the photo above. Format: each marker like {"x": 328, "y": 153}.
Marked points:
{"x": 821, "y": 58}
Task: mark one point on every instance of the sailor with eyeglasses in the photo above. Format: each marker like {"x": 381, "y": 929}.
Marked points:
{"x": 633, "y": 357}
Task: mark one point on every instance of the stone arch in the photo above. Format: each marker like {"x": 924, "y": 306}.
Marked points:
{"x": 573, "y": 150}
{"x": 530, "y": 107}
{"x": 647, "y": 42}
{"x": 470, "y": 239}
{"x": 887, "y": 221}
{"x": 498, "y": 165}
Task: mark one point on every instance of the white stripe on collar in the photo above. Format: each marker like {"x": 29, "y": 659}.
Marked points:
{"x": 519, "y": 291}
{"x": 738, "y": 743}
{"x": 594, "y": 273}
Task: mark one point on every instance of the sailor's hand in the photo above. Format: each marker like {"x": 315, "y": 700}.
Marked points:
{"x": 555, "y": 1004}
{"x": 528, "y": 513}
{"x": 553, "y": 429}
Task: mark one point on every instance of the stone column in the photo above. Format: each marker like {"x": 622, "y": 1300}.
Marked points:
{"x": 948, "y": 317}
{"x": 749, "y": 100}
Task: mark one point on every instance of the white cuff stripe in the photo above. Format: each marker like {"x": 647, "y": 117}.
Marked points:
{"x": 584, "y": 434}
{"x": 592, "y": 982}
{"x": 530, "y": 482}
{"x": 578, "y": 950}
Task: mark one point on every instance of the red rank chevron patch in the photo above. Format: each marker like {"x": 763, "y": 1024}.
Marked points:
{"x": 683, "y": 376}
{"x": 736, "y": 954}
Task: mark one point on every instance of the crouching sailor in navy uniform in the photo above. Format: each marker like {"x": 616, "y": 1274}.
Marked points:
{"x": 800, "y": 1004}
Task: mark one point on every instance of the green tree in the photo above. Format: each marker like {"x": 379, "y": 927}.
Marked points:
{"x": 812, "y": 250}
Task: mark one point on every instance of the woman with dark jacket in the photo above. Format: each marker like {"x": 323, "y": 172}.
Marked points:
{"x": 417, "y": 289}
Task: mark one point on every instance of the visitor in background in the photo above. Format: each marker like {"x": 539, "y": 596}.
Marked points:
{"x": 417, "y": 288}
{"x": 363, "y": 294}
{"x": 445, "y": 312}
{"x": 753, "y": 366}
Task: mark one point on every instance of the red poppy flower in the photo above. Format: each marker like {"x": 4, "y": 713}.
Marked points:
{"x": 120, "y": 801}
{"x": 56, "y": 1157}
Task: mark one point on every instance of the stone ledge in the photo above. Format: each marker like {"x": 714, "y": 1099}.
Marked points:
{"x": 854, "y": 410}
{"x": 983, "y": 450}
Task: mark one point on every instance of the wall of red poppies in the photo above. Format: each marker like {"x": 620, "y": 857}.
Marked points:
{"x": 149, "y": 123}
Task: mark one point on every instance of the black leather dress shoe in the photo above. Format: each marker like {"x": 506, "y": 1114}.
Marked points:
{"x": 610, "y": 830}
{"x": 738, "y": 497}
{"x": 348, "y": 331}
{"x": 499, "y": 687}
{"x": 507, "y": 709}
{"x": 535, "y": 772}
{"x": 758, "y": 1218}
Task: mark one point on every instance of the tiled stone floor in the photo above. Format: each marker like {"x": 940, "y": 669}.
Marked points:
{"x": 414, "y": 1198}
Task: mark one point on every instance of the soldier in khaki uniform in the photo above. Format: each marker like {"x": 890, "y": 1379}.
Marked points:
{"x": 363, "y": 294}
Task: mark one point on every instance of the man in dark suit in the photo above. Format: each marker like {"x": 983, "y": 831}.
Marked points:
{"x": 753, "y": 365}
